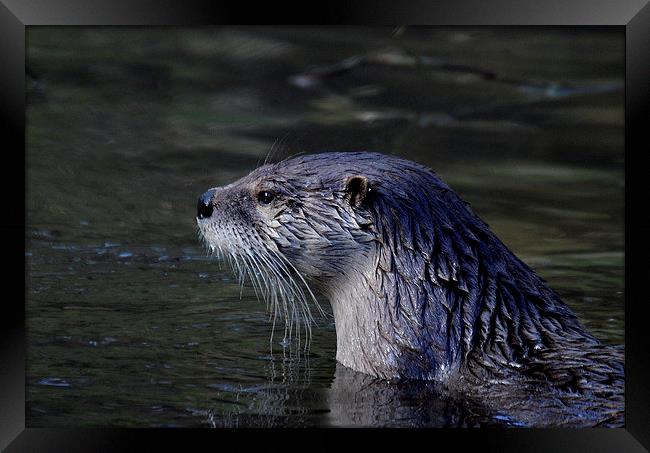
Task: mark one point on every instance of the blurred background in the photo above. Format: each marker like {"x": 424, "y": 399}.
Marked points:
{"x": 130, "y": 324}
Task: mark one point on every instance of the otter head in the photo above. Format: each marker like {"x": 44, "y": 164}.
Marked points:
{"x": 290, "y": 226}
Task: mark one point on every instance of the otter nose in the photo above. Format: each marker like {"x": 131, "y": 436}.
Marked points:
{"x": 204, "y": 208}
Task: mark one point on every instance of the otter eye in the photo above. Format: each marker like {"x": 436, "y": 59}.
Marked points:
{"x": 265, "y": 196}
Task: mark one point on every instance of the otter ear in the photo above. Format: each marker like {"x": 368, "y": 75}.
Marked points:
{"x": 358, "y": 189}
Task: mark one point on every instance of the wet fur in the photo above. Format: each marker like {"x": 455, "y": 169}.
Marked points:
{"x": 419, "y": 286}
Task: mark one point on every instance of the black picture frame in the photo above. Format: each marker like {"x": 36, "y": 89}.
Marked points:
{"x": 633, "y": 15}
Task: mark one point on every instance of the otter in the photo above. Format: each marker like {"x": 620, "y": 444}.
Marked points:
{"x": 419, "y": 286}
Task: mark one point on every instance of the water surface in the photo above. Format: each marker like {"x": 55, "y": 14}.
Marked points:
{"x": 129, "y": 323}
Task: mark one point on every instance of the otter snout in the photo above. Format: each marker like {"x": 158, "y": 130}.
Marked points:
{"x": 205, "y": 207}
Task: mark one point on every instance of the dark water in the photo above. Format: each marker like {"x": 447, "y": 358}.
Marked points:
{"x": 128, "y": 322}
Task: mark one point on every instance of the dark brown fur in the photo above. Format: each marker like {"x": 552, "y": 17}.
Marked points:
{"x": 419, "y": 285}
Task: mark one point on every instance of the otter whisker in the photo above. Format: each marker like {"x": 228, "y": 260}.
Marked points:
{"x": 271, "y": 279}
{"x": 290, "y": 293}
{"x": 267, "y": 293}
{"x": 296, "y": 289}
{"x": 320, "y": 309}
{"x": 295, "y": 293}
{"x": 251, "y": 275}
{"x": 269, "y": 154}
{"x": 283, "y": 288}
{"x": 302, "y": 298}
{"x": 277, "y": 145}
{"x": 269, "y": 267}
{"x": 262, "y": 280}
{"x": 241, "y": 271}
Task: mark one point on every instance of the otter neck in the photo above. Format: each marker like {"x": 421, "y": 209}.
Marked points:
{"x": 393, "y": 325}
{"x": 378, "y": 330}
